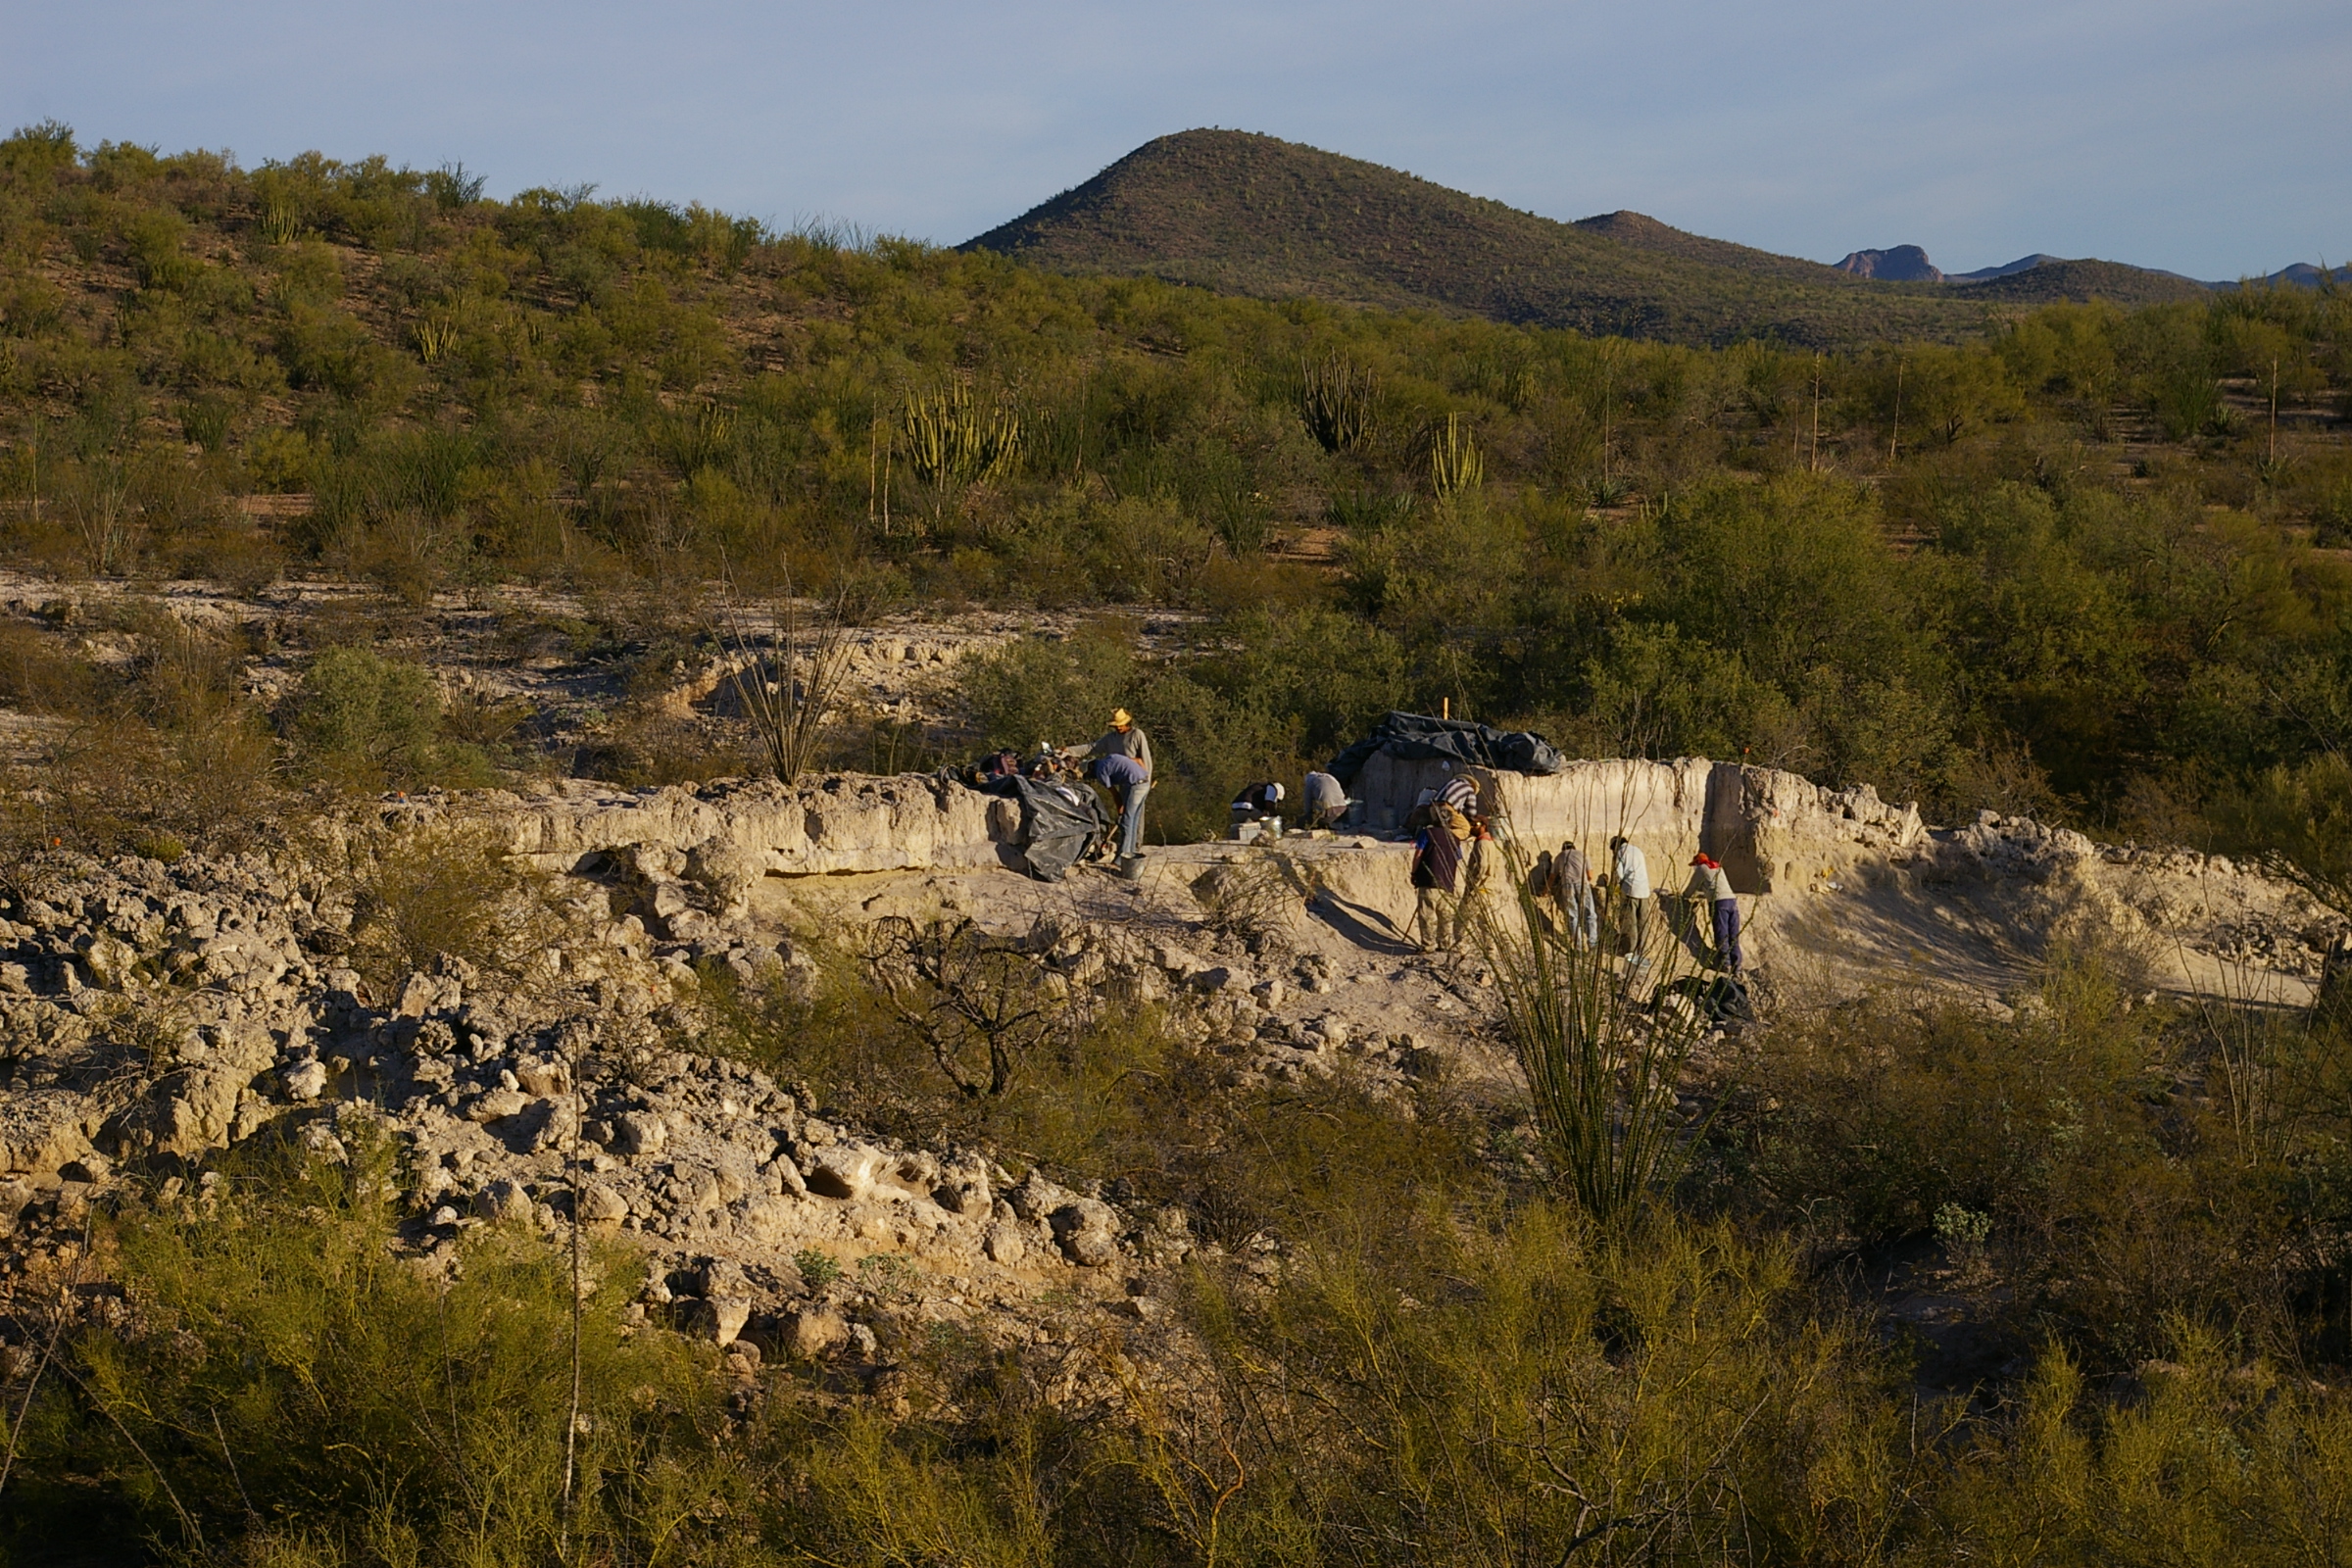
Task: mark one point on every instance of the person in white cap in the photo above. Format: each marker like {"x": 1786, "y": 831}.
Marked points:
{"x": 1258, "y": 800}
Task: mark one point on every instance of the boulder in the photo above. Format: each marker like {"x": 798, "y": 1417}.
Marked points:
{"x": 497, "y": 1106}
{"x": 501, "y": 1200}
{"x": 1004, "y": 1244}
{"x": 813, "y": 1331}
{"x": 1087, "y": 1231}
{"x": 784, "y": 1175}
{"x": 306, "y": 1080}
{"x": 42, "y": 1129}
{"x": 968, "y": 1196}
{"x": 544, "y": 1079}
{"x": 195, "y": 1110}
{"x": 638, "y": 1132}
{"x": 109, "y": 960}
{"x": 15, "y": 1197}
{"x": 844, "y": 1170}
{"x": 722, "y": 1317}
{"x": 1035, "y": 1197}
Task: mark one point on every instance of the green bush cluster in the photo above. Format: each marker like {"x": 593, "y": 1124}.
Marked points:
{"x": 290, "y": 1392}
{"x": 1400, "y": 1342}
{"x": 2132, "y": 1171}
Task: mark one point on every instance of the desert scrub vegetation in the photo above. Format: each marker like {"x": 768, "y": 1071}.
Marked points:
{"x": 155, "y": 747}
{"x": 1408, "y": 1329}
{"x": 280, "y": 1387}
{"x": 143, "y": 735}
{"x": 426, "y": 892}
{"x": 1424, "y": 1369}
{"x": 2086, "y": 563}
{"x": 2133, "y": 1171}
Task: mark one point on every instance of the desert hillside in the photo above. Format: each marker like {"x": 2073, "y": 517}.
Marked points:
{"x": 536, "y": 1026}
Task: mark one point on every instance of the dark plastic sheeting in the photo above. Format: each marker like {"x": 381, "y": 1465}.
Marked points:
{"x": 1419, "y": 738}
{"x": 1059, "y": 824}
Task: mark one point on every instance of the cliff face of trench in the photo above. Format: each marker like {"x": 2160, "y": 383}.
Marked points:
{"x": 1769, "y": 827}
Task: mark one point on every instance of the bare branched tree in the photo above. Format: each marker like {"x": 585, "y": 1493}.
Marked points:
{"x": 983, "y": 1003}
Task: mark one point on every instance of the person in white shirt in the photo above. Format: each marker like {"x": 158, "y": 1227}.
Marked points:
{"x": 1326, "y": 801}
{"x": 1630, "y": 868}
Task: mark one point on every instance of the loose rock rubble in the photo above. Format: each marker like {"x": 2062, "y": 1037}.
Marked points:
{"x": 153, "y": 1014}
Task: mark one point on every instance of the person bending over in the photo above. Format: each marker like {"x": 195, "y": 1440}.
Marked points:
{"x": 1126, "y": 778}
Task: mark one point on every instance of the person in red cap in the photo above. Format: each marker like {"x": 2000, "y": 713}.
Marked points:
{"x": 1710, "y": 885}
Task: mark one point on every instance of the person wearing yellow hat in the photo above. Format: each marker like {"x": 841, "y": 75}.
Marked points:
{"x": 1126, "y": 740}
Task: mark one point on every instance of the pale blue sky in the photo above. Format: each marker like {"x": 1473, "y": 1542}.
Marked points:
{"x": 2206, "y": 138}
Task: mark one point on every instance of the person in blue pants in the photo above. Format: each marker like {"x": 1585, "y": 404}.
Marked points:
{"x": 1131, "y": 782}
{"x": 1711, "y": 885}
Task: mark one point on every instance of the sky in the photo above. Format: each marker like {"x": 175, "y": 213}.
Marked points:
{"x": 2203, "y": 138}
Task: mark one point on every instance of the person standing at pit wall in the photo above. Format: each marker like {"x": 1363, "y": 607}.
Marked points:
{"x": 1711, "y": 885}
{"x": 1630, "y": 868}
{"x": 1126, "y": 741}
{"x": 1437, "y": 873}
{"x": 1478, "y": 879}
{"x": 1572, "y": 890}
{"x": 1124, "y": 738}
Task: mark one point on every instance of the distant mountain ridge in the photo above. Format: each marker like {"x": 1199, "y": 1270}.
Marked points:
{"x": 1644, "y": 232}
{"x": 1247, "y": 214}
{"x": 1902, "y": 263}
{"x": 1909, "y": 264}
{"x": 1986, "y": 275}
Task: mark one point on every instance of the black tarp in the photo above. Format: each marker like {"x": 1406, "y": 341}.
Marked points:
{"x": 1419, "y": 738}
{"x": 1059, "y": 822}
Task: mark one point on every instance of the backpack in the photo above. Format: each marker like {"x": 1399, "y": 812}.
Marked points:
{"x": 1720, "y": 999}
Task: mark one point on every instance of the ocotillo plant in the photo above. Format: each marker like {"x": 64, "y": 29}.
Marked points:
{"x": 1603, "y": 1040}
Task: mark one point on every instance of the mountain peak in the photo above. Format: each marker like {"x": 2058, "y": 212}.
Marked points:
{"x": 1249, "y": 214}
{"x": 1902, "y": 263}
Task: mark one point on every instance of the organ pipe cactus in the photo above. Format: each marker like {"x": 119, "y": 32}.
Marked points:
{"x": 951, "y": 440}
{"x": 1336, "y": 402}
{"x": 1455, "y": 463}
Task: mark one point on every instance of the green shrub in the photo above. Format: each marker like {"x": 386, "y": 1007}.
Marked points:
{"x": 289, "y": 1390}
{"x": 2232, "y": 1462}
{"x": 365, "y": 721}
{"x": 421, "y": 891}
{"x": 1061, "y": 691}
{"x": 1511, "y": 1391}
